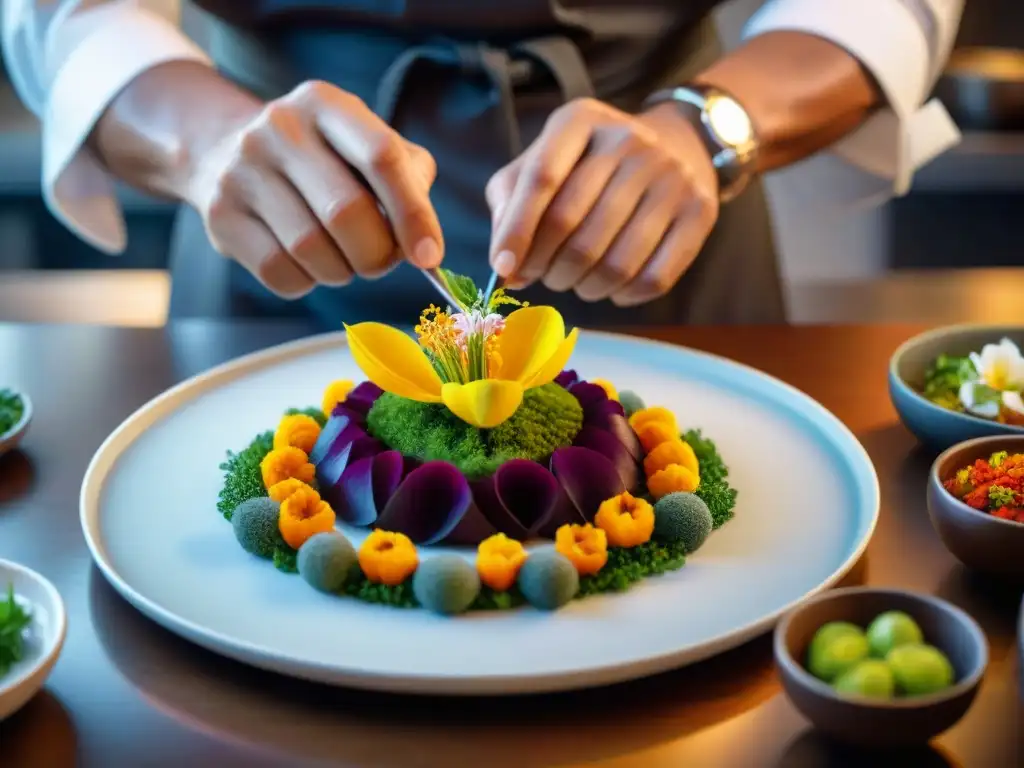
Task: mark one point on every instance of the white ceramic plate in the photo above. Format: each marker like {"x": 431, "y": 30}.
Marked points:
{"x": 807, "y": 507}
{"x": 44, "y": 637}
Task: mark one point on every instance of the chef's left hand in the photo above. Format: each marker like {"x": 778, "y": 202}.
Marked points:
{"x": 604, "y": 203}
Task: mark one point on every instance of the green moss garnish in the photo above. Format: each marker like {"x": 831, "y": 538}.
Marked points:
{"x": 549, "y": 418}
{"x": 243, "y": 479}
{"x": 286, "y": 559}
{"x": 12, "y": 408}
{"x": 625, "y": 567}
{"x": 714, "y": 489}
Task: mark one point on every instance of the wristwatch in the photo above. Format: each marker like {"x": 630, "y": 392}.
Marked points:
{"x": 725, "y": 128}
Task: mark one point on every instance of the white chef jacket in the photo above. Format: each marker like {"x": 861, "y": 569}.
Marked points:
{"x": 68, "y": 59}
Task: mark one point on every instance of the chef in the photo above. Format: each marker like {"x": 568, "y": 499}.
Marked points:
{"x": 603, "y": 155}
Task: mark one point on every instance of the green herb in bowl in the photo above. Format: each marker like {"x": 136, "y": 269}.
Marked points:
{"x": 13, "y": 620}
{"x": 12, "y": 408}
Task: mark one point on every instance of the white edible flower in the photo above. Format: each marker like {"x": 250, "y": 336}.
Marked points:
{"x": 1012, "y": 401}
{"x": 980, "y": 399}
{"x": 1000, "y": 366}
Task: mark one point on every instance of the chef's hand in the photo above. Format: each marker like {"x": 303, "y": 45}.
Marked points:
{"x": 277, "y": 192}
{"x": 605, "y": 203}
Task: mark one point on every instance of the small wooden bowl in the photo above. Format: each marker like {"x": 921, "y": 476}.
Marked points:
{"x": 979, "y": 540}
{"x": 867, "y": 722}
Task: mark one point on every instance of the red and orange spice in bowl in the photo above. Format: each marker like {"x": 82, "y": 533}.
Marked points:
{"x": 994, "y": 485}
{"x": 976, "y": 504}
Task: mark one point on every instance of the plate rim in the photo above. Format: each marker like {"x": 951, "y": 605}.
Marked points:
{"x": 489, "y": 685}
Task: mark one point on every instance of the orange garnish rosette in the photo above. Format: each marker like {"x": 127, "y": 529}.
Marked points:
{"x": 388, "y": 558}
{"x": 336, "y": 393}
{"x": 284, "y": 463}
{"x": 672, "y": 479}
{"x": 653, "y": 433}
{"x": 299, "y": 431}
{"x": 584, "y": 545}
{"x": 626, "y": 520}
{"x": 654, "y": 414}
{"x": 303, "y": 515}
{"x": 498, "y": 560}
{"x": 281, "y": 491}
{"x": 671, "y": 452}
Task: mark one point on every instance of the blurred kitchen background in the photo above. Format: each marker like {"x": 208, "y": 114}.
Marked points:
{"x": 954, "y": 241}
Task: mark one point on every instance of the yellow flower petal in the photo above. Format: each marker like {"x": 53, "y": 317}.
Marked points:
{"x": 531, "y": 336}
{"x": 394, "y": 362}
{"x": 555, "y": 364}
{"x": 485, "y": 403}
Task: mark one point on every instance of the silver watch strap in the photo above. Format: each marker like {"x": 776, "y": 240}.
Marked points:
{"x": 734, "y": 166}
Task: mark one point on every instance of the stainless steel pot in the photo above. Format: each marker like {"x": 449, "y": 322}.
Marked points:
{"x": 983, "y": 88}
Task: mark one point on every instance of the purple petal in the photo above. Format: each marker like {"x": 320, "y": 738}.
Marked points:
{"x": 363, "y": 447}
{"x": 362, "y": 398}
{"x": 339, "y": 455}
{"x": 332, "y": 430}
{"x": 429, "y": 503}
{"x": 471, "y": 529}
{"x": 588, "y": 394}
{"x": 366, "y": 390}
{"x": 365, "y": 487}
{"x": 527, "y": 491}
{"x": 354, "y": 415}
{"x": 566, "y": 379}
{"x": 588, "y": 478}
{"x": 609, "y": 407}
{"x": 618, "y": 426}
{"x": 609, "y": 446}
{"x": 485, "y": 494}
{"x": 564, "y": 512}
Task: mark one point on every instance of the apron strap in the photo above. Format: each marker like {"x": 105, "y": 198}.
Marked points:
{"x": 504, "y": 68}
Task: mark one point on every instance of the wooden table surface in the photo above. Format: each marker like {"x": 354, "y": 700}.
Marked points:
{"x": 127, "y": 693}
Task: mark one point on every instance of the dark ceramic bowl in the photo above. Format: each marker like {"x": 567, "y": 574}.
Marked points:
{"x": 871, "y": 723}
{"x": 936, "y": 427}
{"x": 979, "y": 540}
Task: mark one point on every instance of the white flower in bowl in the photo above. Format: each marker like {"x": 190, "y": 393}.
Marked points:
{"x": 1000, "y": 378}
{"x": 1013, "y": 402}
{"x": 980, "y": 399}
{"x": 1000, "y": 366}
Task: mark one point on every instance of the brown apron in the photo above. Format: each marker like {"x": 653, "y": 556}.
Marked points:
{"x": 473, "y": 82}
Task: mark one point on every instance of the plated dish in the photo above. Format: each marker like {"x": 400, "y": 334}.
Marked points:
{"x": 475, "y": 436}
{"x": 163, "y": 466}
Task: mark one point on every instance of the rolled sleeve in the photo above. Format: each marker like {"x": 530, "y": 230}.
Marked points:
{"x": 904, "y": 44}
{"x": 78, "y": 66}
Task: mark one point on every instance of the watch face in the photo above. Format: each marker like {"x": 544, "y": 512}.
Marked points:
{"x": 729, "y": 121}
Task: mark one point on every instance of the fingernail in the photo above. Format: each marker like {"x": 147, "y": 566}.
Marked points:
{"x": 504, "y": 263}
{"x": 427, "y": 254}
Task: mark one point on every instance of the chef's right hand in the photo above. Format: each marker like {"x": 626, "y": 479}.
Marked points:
{"x": 280, "y": 193}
